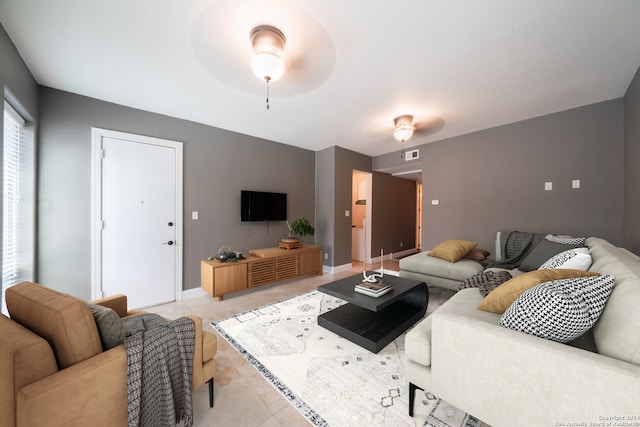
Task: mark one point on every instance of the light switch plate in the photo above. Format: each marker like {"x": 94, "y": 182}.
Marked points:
{"x": 548, "y": 186}
{"x": 575, "y": 183}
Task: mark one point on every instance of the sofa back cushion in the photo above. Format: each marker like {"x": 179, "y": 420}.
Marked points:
{"x": 616, "y": 333}
{"x": 64, "y": 321}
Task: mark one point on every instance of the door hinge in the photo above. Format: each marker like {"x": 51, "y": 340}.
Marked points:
{"x": 102, "y": 153}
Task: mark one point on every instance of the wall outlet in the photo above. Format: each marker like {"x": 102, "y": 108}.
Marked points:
{"x": 326, "y": 255}
{"x": 401, "y": 244}
{"x": 435, "y": 202}
{"x": 575, "y": 183}
{"x": 194, "y": 215}
{"x": 548, "y": 186}
{"x": 347, "y": 213}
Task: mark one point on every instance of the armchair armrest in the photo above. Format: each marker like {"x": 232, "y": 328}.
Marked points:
{"x": 92, "y": 392}
{"x": 205, "y": 347}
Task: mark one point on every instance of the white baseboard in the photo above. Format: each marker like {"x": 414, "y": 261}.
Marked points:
{"x": 193, "y": 293}
{"x": 394, "y": 255}
{"x": 338, "y": 269}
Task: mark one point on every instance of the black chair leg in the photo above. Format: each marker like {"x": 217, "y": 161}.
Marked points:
{"x": 412, "y": 397}
{"x": 210, "y": 383}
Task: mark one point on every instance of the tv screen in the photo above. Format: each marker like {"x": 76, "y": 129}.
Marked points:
{"x": 262, "y": 206}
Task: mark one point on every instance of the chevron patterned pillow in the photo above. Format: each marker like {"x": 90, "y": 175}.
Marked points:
{"x": 560, "y": 310}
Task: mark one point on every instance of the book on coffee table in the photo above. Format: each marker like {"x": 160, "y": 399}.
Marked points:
{"x": 373, "y": 289}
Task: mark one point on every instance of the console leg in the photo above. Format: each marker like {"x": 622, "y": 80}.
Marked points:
{"x": 210, "y": 383}
{"x": 412, "y": 396}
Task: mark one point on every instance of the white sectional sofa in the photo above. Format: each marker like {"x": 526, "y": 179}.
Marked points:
{"x": 508, "y": 378}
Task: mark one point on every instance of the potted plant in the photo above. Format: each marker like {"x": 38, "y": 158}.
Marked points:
{"x": 301, "y": 227}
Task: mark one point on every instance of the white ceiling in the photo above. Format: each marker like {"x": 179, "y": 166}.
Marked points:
{"x": 459, "y": 65}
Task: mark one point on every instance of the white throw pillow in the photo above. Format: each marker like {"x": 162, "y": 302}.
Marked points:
{"x": 574, "y": 259}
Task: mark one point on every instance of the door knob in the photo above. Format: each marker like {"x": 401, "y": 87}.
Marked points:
{"x": 170, "y": 242}
{"x": 170, "y": 224}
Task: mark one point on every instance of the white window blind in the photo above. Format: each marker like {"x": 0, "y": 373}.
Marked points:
{"x": 18, "y": 221}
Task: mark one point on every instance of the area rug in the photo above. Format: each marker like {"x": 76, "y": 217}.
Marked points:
{"x": 329, "y": 380}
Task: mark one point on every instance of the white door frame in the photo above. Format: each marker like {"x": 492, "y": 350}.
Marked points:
{"x": 97, "y": 135}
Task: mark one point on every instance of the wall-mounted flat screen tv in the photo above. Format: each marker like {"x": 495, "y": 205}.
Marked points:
{"x": 262, "y": 206}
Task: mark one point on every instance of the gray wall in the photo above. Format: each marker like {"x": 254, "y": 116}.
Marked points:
{"x": 325, "y": 222}
{"x": 218, "y": 164}
{"x": 631, "y": 162}
{"x": 346, "y": 161}
{"x": 21, "y": 90}
{"x": 493, "y": 180}
{"x": 335, "y": 166}
{"x": 393, "y": 214}
{"x": 19, "y": 86}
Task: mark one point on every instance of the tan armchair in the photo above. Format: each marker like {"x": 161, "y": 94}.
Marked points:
{"x": 53, "y": 369}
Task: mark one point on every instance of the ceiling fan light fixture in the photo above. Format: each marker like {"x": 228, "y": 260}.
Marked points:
{"x": 403, "y": 127}
{"x": 268, "y": 46}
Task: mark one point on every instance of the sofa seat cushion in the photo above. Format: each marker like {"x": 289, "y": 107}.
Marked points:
{"x": 64, "y": 321}
{"x": 431, "y": 266}
{"x": 616, "y": 333}
{"x": 464, "y": 303}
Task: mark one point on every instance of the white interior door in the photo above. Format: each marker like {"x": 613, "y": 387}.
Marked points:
{"x": 138, "y": 218}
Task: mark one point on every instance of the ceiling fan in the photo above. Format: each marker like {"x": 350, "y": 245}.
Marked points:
{"x": 406, "y": 125}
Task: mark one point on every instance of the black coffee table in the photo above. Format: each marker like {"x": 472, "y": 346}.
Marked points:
{"x": 371, "y": 322}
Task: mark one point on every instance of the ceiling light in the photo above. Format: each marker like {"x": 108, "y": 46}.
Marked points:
{"x": 268, "y": 46}
{"x": 403, "y": 127}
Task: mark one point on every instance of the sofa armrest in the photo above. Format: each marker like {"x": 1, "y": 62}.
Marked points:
{"x": 117, "y": 303}
{"x": 507, "y": 378}
{"x": 92, "y": 392}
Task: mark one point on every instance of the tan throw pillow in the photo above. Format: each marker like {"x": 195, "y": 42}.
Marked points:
{"x": 452, "y": 250}
{"x": 504, "y": 295}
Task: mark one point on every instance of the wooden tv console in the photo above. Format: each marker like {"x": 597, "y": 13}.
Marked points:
{"x": 260, "y": 267}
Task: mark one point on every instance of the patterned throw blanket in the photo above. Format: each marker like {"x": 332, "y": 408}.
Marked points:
{"x": 514, "y": 247}
{"x": 159, "y": 369}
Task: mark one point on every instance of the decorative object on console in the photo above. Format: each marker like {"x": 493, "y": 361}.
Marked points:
{"x": 225, "y": 254}
{"x": 301, "y": 227}
{"x": 268, "y": 46}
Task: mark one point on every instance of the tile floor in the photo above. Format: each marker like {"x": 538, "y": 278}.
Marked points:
{"x": 243, "y": 398}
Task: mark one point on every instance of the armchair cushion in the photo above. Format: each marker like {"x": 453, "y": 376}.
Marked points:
{"x": 110, "y": 327}
{"x": 64, "y": 321}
